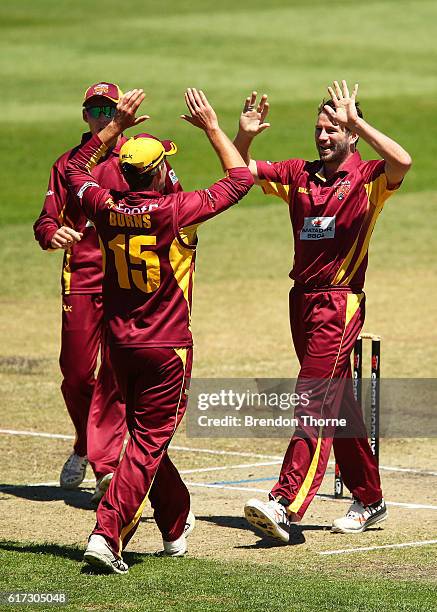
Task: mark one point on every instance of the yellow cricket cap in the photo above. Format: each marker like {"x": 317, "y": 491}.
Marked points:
{"x": 145, "y": 153}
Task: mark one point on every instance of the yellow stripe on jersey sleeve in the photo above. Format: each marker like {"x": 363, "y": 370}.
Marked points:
{"x": 96, "y": 156}
{"x": 276, "y": 189}
{"x": 377, "y": 191}
{"x": 180, "y": 261}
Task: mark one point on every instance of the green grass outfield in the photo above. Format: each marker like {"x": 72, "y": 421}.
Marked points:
{"x": 193, "y": 585}
{"x": 51, "y": 51}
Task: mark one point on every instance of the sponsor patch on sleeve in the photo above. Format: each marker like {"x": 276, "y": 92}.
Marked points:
{"x": 85, "y": 187}
{"x": 172, "y": 174}
{"x": 318, "y": 228}
{"x": 211, "y": 197}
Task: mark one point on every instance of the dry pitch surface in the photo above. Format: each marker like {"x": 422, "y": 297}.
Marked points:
{"x": 251, "y": 338}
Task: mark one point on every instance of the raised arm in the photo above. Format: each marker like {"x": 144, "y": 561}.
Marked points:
{"x": 197, "y": 207}
{"x": 203, "y": 116}
{"x": 91, "y": 195}
{"x": 252, "y": 123}
{"x": 397, "y": 160}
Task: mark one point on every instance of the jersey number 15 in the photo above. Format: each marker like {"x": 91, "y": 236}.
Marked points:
{"x": 130, "y": 257}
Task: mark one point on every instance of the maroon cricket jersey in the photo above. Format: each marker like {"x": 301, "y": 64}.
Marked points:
{"x": 149, "y": 244}
{"x": 332, "y": 219}
{"x": 82, "y": 264}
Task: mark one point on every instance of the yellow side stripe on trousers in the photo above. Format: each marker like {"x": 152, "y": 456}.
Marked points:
{"x": 182, "y": 354}
{"x": 352, "y": 305}
{"x": 306, "y": 485}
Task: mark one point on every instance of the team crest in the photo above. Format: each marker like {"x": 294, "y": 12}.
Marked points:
{"x": 101, "y": 89}
{"x": 343, "y": 189}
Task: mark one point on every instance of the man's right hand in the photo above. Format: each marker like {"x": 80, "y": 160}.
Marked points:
{"x": 252, "y": 119}
{"x": 65, "y": 237}
{"x": 202, "y": 114}
{"x": 125, "y": 116}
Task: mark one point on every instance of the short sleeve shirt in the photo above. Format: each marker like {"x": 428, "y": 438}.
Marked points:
{"x": 332, "y": 219}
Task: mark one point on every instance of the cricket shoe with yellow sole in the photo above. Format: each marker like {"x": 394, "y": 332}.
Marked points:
{"x": 99, "y": 555}
{"x": 101, "y": 487}
{"x": 359, "y": 517}
{"x": 271, "y": 518}
{"x": 178, "y": 548}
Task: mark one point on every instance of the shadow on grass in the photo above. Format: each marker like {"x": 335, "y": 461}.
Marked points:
{"x": 77, "y": 498}
{"x": 73, "y": 553}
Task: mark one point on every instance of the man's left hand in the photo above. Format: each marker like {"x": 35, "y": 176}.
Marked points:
{"x": 345, "y": 113}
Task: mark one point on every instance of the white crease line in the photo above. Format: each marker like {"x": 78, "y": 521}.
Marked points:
{"x": 389, "y": 468}
{"x": 215, "y": 452}
{"x": 206, "y": 485}
{"x": 14, "y": 432}
{"x": 229, "y": 488}
{"x": 37, "y": 434}
{"x": 412, "y": 505}
{"x": 223, "y": 452}
{"x": 52, "y": 483}
{"x": 367, "y": 548}
{"x": 407, "y": 505}
{"x": 228, "y": 467}
{"x": 407, "y": 470}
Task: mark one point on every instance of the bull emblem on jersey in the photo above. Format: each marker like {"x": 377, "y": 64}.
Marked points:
{"x": 343, "y": 189}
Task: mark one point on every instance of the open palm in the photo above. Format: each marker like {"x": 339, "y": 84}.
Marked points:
{"x": 345, "y": 112}
{"x": 252, "y": 119}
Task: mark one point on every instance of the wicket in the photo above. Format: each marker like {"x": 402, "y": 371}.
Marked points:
{"x": 375, "y": 371}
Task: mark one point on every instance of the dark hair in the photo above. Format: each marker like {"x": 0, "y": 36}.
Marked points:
{"x": 330, "y": 103}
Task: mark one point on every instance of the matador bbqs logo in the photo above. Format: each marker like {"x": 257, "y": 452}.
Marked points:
{"x": 318, "y": 228}
{"x": 343, "y": 189}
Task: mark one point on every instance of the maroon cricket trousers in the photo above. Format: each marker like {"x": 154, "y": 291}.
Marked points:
{"x": 153, "y": 382}
{"x": 94, "y": 404}
{"x": 325, "y": 324}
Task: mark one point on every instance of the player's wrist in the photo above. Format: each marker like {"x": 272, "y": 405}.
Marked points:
{"x": 244, "y": 135}
{"x": 356, "y": 125}
{"x": 212, "y": 130}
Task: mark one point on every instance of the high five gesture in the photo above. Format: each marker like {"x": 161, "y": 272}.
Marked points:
{"x": 345, "y": 112}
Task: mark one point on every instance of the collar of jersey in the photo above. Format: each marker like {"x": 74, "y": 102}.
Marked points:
{"x": 348, "y": 166}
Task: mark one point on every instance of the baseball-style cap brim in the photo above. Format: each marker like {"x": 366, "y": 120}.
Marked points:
{"x": 145, "y": 153}
{"x": 110, "y": 91}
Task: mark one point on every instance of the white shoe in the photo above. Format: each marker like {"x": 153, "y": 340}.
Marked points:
{"x": 178, "y": 547}
{"x": 101, "y": 556}
{"x": 359, "y": 517}
{"x": 101, "y": 487}
{"x": 269, "y": 517}
{"x": 73, "y": 472}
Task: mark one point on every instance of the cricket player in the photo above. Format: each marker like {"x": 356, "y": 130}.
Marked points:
{"x": 334, "y": 203}
{"x": 62, "y": 225}
{"x": 149, "y": 245}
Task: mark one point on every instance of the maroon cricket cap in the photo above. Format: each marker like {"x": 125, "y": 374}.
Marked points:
{"x": 103, "y": 90}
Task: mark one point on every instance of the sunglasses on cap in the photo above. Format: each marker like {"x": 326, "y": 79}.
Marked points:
{"x": 96, "y": 111}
